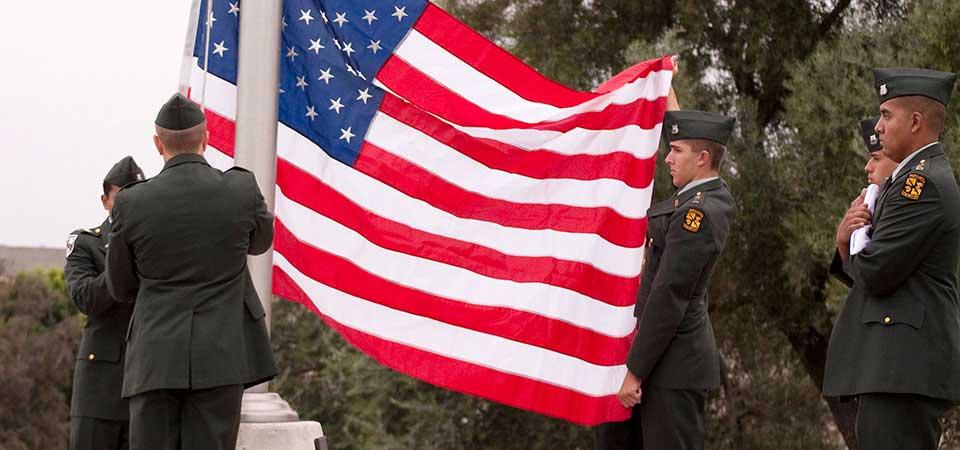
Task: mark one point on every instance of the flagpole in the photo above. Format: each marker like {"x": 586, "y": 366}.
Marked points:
{"x": 258, "y": 80}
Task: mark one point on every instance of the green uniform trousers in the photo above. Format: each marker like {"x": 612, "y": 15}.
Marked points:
{"x": 665, "y": 419}
{"x": 183, "y": 419}
{"x": 899, "y": 421}
{"x": 91, "y": 433}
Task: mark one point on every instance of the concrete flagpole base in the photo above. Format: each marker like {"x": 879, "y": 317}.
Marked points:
{"x": 281, "y": 436}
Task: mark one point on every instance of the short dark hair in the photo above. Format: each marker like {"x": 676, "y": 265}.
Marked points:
{"x": 932, "y": 110}
{"x": 182, "y": 141}
{"x": 716, "y": 150}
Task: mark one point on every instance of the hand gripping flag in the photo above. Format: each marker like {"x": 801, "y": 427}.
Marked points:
{"x": 450, "y": 211}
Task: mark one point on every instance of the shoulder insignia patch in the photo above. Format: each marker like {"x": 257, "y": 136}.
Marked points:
{"x": 913, "y": 187}
{"x": 692, "y": 221}
{"x": 71, "y": 244}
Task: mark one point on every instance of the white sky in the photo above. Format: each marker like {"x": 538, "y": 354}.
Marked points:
{"x": 80, "y": 85}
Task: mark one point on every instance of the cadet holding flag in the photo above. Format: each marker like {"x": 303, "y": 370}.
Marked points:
{"x": 179, "y": 250}
{"x": 674, "y": 358}
{"x": 896, "y": 344}
{"x": 99, "y": 418}
{"x": 878, "y": 169}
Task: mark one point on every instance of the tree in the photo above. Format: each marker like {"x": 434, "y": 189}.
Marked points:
{"x": 40, "y": 330}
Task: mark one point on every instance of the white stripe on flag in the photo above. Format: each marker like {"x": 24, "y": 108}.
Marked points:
{"x": 456, "y": 168}
{"x": 387, "y": 202}
{"x": 452, "y": 282}
{"x": 631, "y": 139}
{"x": 455, "y": 342}
{"x": 458, "y": 76}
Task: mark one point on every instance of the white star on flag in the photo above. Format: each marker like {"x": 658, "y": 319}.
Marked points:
{"x": 370, "y": 17}
{"x": 292, "y": 53}
{"x": 302, "y": 83}
{"x": 364, "y": 95}
{"x": 211, "y": 20}
{"x": 234, "y": 9}
{"x": 336, "y": 105}
{"x": 325, "y": 75}
{"x": 400, "y": 13}
{"x": 305, "y": 16}
{"x": 323, "y": 16}
{"x": 220, "y": 49}
{"x": 346, "y": 134}
{"x": 315, "y": 45}
{"x": 312, "y": 113}
{"x": 374, "y": 46}
{"x": 341, "y": 19}
{"x": 348, "y": 49}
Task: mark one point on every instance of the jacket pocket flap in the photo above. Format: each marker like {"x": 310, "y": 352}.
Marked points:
{"x": 102, "y": 348}
{"x": 890, "y": 312}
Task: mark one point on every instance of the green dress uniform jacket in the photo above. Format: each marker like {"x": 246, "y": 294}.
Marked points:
{"x": 179, "y": 251}
{"x": 899, "y": 330}
{"x": 99, "y": 370}
{"x": 675, "y": 346}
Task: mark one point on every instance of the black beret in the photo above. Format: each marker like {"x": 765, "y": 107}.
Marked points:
{"x": 179, "y": 113}
{"x": 893, "y": 83}
{"x": 124, "y": 172}
{"x": 869, "y": 135}
{"x": 681, "y": 125}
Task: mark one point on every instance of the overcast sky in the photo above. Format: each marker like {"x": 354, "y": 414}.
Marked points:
{"x": 80, "y": 85}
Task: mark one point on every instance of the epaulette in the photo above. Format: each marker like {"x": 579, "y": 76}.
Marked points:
{"x": 130, "y": 185}
{"x": 95, "y": 231}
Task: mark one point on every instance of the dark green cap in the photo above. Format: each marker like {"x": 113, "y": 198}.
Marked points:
{"x": 869, "y": 135}
{"x": 179, "y": 113}
{"x": 680, "y": 125}
{"x": 893, "y": 83}
{"x": 124, "y": 172}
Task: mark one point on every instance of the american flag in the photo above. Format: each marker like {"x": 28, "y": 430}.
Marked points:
{"x": 451, "y": 212}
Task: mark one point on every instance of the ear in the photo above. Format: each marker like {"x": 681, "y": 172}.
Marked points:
{"x": 159, "y": 144}
{"x": 916, "y": 119}
{"x": 206, "y": 139}
{"x": 103, "y": 200}
{"x": 703, "y": 158}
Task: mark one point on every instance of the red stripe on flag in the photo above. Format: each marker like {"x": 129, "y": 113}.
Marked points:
{"x": 222, "y": 132}
{"x": 540, "y": 164}
{"x": 516, "y": 325}
{"x": 314, "y": 194}
{"x": 465, "y": 377}
{"x": 409, "y": 83}
{"x": 493, "y": 61}
{"x": 419, "y": 183}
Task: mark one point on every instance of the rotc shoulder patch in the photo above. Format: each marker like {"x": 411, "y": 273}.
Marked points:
{"x": 913, "y": 187}
{"x": 71, "y": 244}
{"x": 692, "y": 221}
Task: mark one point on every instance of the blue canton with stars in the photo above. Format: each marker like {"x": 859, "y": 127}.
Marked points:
{"x": 330, "y": 52}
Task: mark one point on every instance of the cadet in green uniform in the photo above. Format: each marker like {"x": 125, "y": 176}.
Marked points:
{"x": 674, "y": 360}
{"x": 896, "y": 343}
{"x": 879, "y": 167}
{"x": 98, "y": 415}
{"x": 179, "y": 250}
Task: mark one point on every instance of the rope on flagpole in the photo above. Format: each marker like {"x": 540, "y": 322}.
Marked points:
{"x": 206, "y": 55}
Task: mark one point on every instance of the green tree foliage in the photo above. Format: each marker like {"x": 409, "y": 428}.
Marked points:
{"x": 40, "y": 330}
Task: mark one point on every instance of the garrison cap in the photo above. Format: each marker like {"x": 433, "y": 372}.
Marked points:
{"x": 681, "y": 125}
{"x": 124, "y": 172}
{"x": 869, "y": 135}
{"x": 893, "y": 83}
{"x": 179, "y": 113}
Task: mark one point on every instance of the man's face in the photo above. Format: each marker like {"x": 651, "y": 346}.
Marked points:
{"x": 879, "y": 168}
{"x": 107, "y": 200}
{"x": 684, "y": 161}
{"x": 895, "y": 129}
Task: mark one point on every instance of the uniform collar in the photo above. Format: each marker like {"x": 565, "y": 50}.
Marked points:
{"x": 184, "y": 159}
{"x": 675, "y": 201}
{"x": 695, "y": 183}
{"x": 909, "y": 159}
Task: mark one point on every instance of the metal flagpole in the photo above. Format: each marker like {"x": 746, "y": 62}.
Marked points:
{"x": 258, "y": 80}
